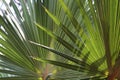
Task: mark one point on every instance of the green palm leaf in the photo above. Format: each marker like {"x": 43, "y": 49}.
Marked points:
{"x": 80, "y": 36}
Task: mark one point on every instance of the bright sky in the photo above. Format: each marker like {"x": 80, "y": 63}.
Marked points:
{"x": 3, "y": 6}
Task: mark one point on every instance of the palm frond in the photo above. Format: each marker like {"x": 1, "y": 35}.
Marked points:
{"x": 80, "y": 36}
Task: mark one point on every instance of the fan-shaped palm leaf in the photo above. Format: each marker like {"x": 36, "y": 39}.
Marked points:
{"x": 84, "y": 36}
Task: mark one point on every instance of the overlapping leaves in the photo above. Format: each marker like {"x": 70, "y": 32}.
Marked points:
{"x": 84, "y": 36}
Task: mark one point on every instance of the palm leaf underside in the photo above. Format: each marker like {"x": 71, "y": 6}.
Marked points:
{"x": 80, "y": 36}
